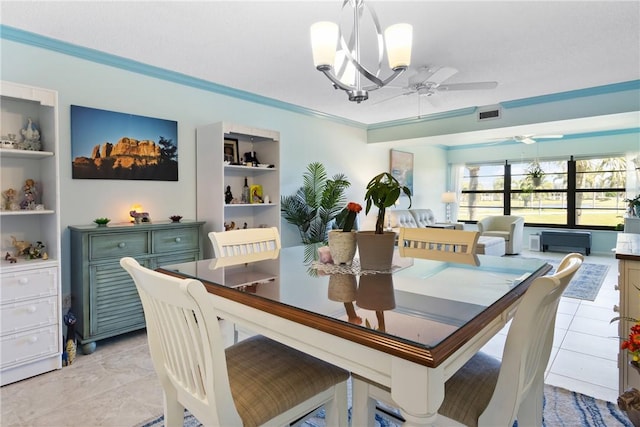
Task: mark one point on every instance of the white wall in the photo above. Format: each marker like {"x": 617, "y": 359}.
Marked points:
{"x": 341, "y": 148}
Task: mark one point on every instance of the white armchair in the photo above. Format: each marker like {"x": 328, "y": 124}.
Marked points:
{"x": 509, "y": 227}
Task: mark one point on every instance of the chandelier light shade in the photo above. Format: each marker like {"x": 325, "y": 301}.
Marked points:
{"x": 346, "y": 74}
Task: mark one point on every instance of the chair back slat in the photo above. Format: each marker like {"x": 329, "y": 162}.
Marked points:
{"x": 185, "y": 342}
{"x": 247, "y": 245}
{"x": 437, "y": 244}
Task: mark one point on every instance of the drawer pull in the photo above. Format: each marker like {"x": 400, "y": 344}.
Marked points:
{"x": 122, "y": 244}
{"x": 178, "y": 240}
{"x": 33, "y": 339}
{"x": 31, "y": 309}
{"x": 616, "y": 309}
{"x": 23, "y": 280}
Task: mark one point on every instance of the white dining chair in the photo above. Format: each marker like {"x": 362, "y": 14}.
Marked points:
{"x": 437, "y": 244}
{"x": 486, "y": 391}
{"x": 256, "y": 382}
{"x": 246, "y": 245}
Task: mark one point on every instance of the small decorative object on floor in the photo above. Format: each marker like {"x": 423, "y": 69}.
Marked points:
{"x": 629, "y": 402}
{"x": 175, "y": 218}
{"x": 70, "y": 346}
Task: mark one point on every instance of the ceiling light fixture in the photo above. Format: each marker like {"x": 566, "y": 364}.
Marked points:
{"x": 324, "y": 40}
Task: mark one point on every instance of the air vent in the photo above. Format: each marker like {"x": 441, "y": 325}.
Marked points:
{"x": 489, "y": 114}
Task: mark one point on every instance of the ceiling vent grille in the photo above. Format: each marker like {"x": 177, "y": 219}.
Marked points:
{"x": 490, "y": 113}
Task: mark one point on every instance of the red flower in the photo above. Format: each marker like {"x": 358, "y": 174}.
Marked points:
{"x": 354, "y": 207}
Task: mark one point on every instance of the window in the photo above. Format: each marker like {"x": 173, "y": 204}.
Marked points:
{"x": 575, "y": 193}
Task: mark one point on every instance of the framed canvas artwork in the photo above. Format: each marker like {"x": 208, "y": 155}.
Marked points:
{"x": 111, "y": 145}
{"x": 402, "y": 168}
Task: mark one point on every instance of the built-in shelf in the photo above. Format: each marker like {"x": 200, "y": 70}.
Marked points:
{"x": 27, "y": 212}
{"x": 256, "y": 168}
{"x": 250, "y": 205}
{"x": 24, "y": 154}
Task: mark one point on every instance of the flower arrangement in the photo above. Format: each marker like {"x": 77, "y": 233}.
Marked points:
{"x": 632, "y": 344}
{"x": 347, "y": 217}
{"x": 383, "y": 190}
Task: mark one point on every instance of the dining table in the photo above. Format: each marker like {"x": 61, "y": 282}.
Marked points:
{"x": 409, "y": 328}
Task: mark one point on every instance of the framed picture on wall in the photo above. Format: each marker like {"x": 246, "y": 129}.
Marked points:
{"x": 111, "y": 145}
{"x": 402, "y": 168}
{"x": 231, "y": 151}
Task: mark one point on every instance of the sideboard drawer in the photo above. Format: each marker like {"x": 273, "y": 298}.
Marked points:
{"x": 22, "y": 316}
{"x": 176, "y": 239}
{"x": 24, "y": 285}
{"x": 118, "y": 245}
{"x": 18, "y": 348}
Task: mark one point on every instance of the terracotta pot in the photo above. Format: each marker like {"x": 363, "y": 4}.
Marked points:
{"x": 342, "y": 287}
{"x": 342, "y": 246}
{"x": 376, "y": 250}
{"x": 375, "y": 292}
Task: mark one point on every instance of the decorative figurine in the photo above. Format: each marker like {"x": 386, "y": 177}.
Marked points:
{"x": 139, "y": 217}
{"x": 71, "y": 346}
{"x": 228, "y": 197}
{"x": 31, "y": 137}
{"x": 36, "y": 251}
{"x": 11, "y": 259}
{"x": 230, "y": 226}
{"x": 9, "y": 197}
{"x": 30, "y": 194}
{"x": 22, "y": 247}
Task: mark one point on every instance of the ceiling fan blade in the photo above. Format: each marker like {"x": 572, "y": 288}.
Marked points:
{"x": 392, "y": 97}
{"x": 468, "y": 86}
{"x": 421, "y": 76}
{"x": 549, "y": 136}
{"x": 442, "y": 74}
{"x": 528, "y": 140}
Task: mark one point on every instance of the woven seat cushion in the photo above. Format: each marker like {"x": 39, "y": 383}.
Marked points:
{"x": 268, "y": 378}
{"x": 467, "y": 393}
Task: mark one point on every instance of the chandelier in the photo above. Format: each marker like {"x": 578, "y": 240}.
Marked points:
{"x": 344, "y": 67}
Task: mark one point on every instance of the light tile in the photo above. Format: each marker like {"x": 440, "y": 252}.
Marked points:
{"x": 606, "y": 348}
{"x": 594, "y": 370}
{"x": 600, "y": 328}
{"x": 568, "y": 306}
{"x": 583, "y": 387}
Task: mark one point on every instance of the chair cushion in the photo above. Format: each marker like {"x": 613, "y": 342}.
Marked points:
{"x": 495, "y": 233}
{"x": 268, "y": 378}
{"x": 468, "y": 392}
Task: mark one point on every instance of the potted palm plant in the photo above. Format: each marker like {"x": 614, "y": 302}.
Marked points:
{"x": 376, "y": 248}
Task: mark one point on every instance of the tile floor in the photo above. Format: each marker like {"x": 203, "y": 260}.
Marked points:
{"x": 116, "y": 386}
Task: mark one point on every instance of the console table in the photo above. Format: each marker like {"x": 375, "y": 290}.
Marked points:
{"x": 104, "y": 298}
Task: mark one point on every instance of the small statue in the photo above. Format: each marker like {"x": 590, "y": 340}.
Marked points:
{"x": 9, "y": 197}
{"x": 30, "y": 194}
{"x": 228, "y": 197}
{"x": 22, "y": 247}
{"x": 71, "y": 344}
{"x": 230, "y": 226}
{"x": 139, "y": 217}
{"x": 31, "y": 137}
{"x": 36, "y": 251}
{"x": 11, "y": 259}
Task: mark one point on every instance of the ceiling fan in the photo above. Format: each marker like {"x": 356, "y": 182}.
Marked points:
{"x": 429, "y": 80}
{"x": 528, "y": 139}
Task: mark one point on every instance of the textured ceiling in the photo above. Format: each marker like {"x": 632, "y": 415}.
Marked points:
{"x": 530, "y": 48}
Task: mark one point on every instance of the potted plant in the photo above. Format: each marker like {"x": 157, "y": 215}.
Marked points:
{"x": 315, "y": 205}
{"x": 376, "y": 248}
{"x": 633, "y": 206}
{"x": 342, "y": 242}
{"x": 535, "y": 173}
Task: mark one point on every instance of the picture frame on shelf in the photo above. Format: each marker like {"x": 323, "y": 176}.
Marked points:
{"x": 256, "y": 195}
{"x": 230, "y": 151}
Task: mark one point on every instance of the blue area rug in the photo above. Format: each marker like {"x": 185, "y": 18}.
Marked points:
{"x": 561, "y": 408}
{"x": 587, "y": 281}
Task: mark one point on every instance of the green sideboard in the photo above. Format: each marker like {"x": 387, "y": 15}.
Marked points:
{"x": 104, "y": 298}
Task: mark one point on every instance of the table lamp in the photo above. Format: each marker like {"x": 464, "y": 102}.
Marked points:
{"x": 448, "y": 198}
